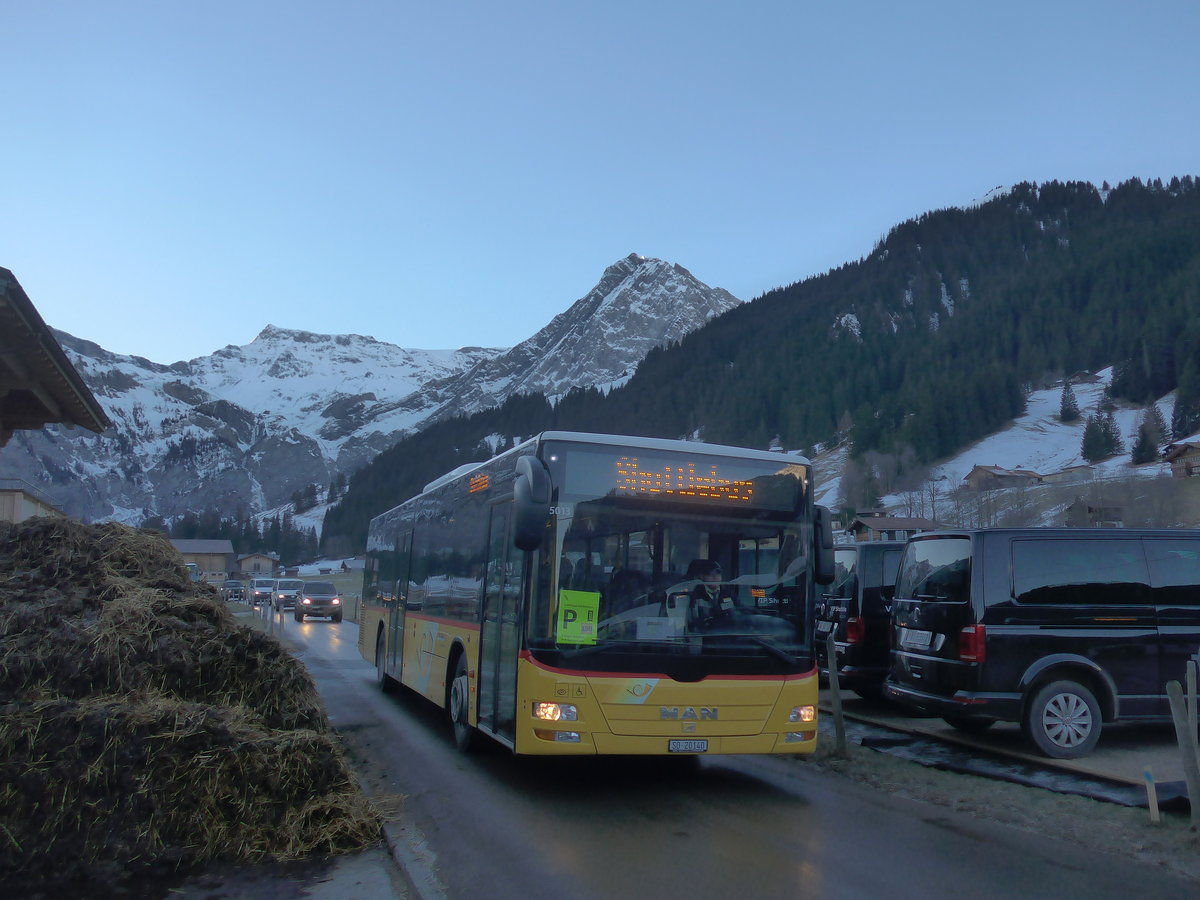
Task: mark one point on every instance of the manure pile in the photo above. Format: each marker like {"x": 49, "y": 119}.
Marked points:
{"x": 142, "y": 730}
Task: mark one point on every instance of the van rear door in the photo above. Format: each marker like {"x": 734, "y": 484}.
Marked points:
{"x": 931, "y": 608}
{"x": 835, "y": 605}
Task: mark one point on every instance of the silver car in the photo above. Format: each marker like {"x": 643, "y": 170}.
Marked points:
{"x": 286, "y": 592}
{"x": 262, "y": 591}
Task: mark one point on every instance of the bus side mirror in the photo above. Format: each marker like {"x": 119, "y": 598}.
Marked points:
{"x": 823, "y": 541}
{"x": 531, "y": 503}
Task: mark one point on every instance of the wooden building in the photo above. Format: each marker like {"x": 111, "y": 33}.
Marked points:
{"x": 888, "y": 528}
{"x": 20, "y": 500}
{"x": 38, "y": 384}
{"x": 1184, "y": 458}
{"x": 214, "y": 557}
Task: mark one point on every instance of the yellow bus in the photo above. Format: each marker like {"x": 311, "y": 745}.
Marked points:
{"x": 598, "y": 594}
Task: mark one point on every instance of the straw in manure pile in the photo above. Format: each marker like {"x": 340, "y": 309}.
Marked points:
{"x": 141, "y": 728}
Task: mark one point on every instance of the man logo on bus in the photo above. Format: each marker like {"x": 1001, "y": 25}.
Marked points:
{"x": 688, "y": 712}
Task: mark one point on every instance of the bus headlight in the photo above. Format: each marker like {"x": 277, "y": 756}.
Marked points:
{"x": 555, "y": 712}
{"x": 803, "y": 714}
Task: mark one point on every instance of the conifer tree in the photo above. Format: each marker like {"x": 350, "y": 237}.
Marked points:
{"x": 1113, "y": 440}
{"x": 1094, "y": 445}
{"x": 1185, "y": 419}
{"x": 1153, "y": 422}
{"x": 1068, "y": 407}
{"x": 1145, "y": 449}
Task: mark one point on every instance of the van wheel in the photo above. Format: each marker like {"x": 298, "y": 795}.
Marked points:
{"x": 459, "y": 706}
{"x": 969, "y": 724}
{"x": 1063, "y": 720}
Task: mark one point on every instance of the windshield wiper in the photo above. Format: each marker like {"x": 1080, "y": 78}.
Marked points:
{"x": 771, "y": 647}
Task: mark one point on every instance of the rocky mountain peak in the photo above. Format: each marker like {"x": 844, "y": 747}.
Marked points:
{"x": 248, "y": 426}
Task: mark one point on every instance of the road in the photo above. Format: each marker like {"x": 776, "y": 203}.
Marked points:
{"x": 490, "y": 824}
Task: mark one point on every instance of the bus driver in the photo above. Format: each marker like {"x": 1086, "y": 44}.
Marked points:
{"x": 710, "y": 599}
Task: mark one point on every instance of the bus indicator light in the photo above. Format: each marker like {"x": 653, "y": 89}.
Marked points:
{"x": 561, "y": 737}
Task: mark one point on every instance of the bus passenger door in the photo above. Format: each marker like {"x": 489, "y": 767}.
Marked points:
{"x": 500, "y": 634}
{"x": 399, "y": 605}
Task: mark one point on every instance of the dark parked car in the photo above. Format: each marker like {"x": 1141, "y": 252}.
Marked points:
{"x": 1058, "y": 629}
{"x": 856, "y": 609}
{"x": 233, "y": 589}
{"x": 319, "y": 598}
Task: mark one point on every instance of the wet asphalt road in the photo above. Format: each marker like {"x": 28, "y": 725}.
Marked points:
{"x": 489, "y": 824}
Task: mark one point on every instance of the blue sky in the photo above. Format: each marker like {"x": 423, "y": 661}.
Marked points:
{"x": 178, "y": 175}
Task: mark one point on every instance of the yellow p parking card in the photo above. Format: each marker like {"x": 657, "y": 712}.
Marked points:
{"x": 578, "y": 612}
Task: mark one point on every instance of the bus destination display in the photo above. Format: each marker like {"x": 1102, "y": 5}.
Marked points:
{"x": 635, "y": 479}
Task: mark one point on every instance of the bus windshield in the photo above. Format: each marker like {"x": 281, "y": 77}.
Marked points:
{"x": 653, "y": 570}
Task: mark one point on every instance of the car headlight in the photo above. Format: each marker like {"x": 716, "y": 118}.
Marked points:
{"x": 335, "y": 601}
{"x": 306, "y": 601}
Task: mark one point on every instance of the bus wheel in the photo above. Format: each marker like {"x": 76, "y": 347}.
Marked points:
{"x": 459, "y": 706}
{"x": 381, "y": 676}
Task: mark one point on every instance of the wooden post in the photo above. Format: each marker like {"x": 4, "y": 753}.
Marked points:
{"x": 835, "y": 698}
{"x": 1186, "y": 735}
{"x": 1152, "y": 797}
{"x": 1191, "y": 695}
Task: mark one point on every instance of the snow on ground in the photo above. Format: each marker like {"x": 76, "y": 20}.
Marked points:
{"x": 1040, "y": 442}
{"x": 1037, "y": 441}
{"x": 328, "y": 566}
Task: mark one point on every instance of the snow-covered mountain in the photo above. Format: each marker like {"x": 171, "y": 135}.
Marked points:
{"x": 247, "y": 427}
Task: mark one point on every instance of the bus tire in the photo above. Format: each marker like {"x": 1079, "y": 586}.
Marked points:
{"x": 458, "y": 706}
{"x": 385, "y": 682}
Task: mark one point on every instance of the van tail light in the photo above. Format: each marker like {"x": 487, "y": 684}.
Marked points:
{"x": 972, "y": 645}
{"x": 856, "y": 627}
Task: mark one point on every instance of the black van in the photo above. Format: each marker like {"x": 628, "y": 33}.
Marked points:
{"x": 1058, "y": 629}
{"x": 856, "y": 608}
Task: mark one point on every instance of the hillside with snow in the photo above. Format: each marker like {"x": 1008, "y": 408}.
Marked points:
{"x": 1036, "y": 441}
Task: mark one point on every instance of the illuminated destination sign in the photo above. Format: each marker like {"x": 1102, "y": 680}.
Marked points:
{"x": 589, "y": 473}
{"x": 477, "y": 483}
{"x": 686, "y": 479}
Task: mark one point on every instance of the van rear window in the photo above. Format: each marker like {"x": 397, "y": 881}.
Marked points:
{"x": 936, "y": 569}
{"x": 845, "y": 568}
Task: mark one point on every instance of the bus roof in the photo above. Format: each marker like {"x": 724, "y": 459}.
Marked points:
{"x": 622, "y": 440}
{"x": 649, "y": 443}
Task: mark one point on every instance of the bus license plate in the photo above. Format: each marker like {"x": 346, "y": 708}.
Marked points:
{"x": 687, "y": 746}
